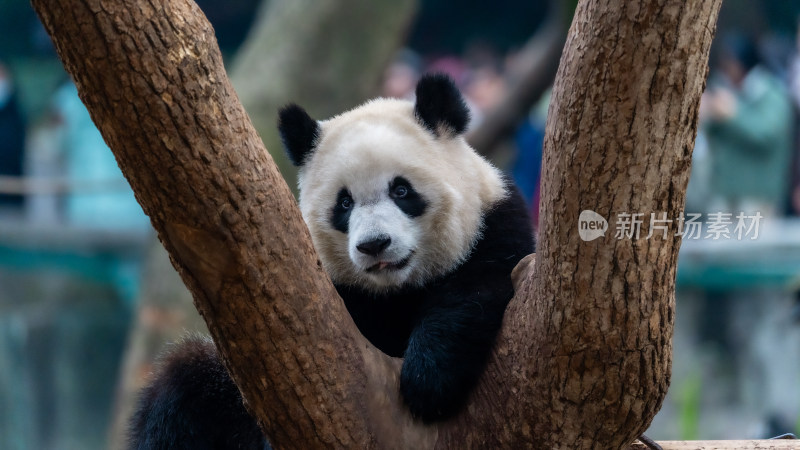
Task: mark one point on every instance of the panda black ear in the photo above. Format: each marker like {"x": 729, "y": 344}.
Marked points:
{"x": 440, "y": 105}
{"x": 299, "y": 133}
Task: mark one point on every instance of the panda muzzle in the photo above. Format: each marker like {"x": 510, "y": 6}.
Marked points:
{"x": 385, "y": 265}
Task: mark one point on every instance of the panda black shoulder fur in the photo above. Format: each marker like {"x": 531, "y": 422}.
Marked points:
{"x": 418, "y": 233}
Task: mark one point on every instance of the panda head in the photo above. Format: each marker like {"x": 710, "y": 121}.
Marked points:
{"x": 391, "y": 192}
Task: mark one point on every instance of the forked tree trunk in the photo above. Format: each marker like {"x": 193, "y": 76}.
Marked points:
{"x": 583, "y": 357}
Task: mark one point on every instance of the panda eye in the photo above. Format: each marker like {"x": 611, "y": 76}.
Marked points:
{"x": 399, "y": 191}
{"x": 346, "y": 202}
{"x": 406, "y": 198}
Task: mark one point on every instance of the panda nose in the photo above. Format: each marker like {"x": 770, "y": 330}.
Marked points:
{"x": 375, "y": 246}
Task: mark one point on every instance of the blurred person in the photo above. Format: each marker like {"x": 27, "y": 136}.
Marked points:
{"x": 12, "y": 136}
{"x": 450, "y": 65}
{"x": 794, "y": 70}
{"x": 748, "y": 122}
{"x": 747, "y": 125}
{"x": 698, "y": 191}
{"x": 485, "y": 89}
{"x": 400, "y": 78}
{"x": 103, "y": 198}
{"x": 794, "y": 89}
{"x": 485, "y": 83}
{"x": 527, "y": 167}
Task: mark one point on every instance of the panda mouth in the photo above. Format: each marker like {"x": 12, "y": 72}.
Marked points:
{"x": 389, "y": 266}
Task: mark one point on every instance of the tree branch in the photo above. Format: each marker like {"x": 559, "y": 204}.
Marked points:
{"x": 588, "y": 337}
{"x": 538, "y": 62}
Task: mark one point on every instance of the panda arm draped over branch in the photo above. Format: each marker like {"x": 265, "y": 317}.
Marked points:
{"x": 419, "y": 235}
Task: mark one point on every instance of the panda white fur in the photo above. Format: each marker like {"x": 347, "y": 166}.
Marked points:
{"x": 419, "y": 235}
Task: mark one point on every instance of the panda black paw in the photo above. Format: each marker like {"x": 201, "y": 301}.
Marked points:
{"x": 428, "y": 394}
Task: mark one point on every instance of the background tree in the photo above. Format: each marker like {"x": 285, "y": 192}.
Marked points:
{"x": 325, "y": 55}
{"x": 583, "y": 357}
{"x": 529, "y": 79}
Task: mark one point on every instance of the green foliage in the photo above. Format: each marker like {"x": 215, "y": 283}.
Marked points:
{"x": 797, "y": 427}
{"x": 688, "y": 399}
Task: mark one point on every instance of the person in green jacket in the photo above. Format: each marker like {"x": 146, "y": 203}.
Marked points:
{"x": 748, "y": 119}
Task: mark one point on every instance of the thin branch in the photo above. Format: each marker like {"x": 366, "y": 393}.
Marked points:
{"x": 536, "y": 69}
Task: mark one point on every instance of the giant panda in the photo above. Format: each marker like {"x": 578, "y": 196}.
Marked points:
{"x": 419, "y": 235}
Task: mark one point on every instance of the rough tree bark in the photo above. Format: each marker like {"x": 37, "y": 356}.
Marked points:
{"x": 583, "y": 357}
{"x": 588, "y": 339}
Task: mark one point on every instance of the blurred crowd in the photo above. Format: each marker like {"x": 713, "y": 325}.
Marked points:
{"x": 747, "y": 154}
{"x": 57, "y": 169}
{"x": 484, "y": 76}
{"x": 12, "y": 135}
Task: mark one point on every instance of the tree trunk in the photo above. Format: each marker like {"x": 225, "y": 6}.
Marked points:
{"x": 280, "y": 62}
{"x": 583, "y": 357}
{"x": 619, "y": 138}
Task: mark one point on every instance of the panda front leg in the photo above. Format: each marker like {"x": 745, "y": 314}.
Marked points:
{"x": 446, "y": 354}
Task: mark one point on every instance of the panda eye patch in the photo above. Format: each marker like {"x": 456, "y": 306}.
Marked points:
{"x": 340, "y": 217}
{"x": 406, "y": 198}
